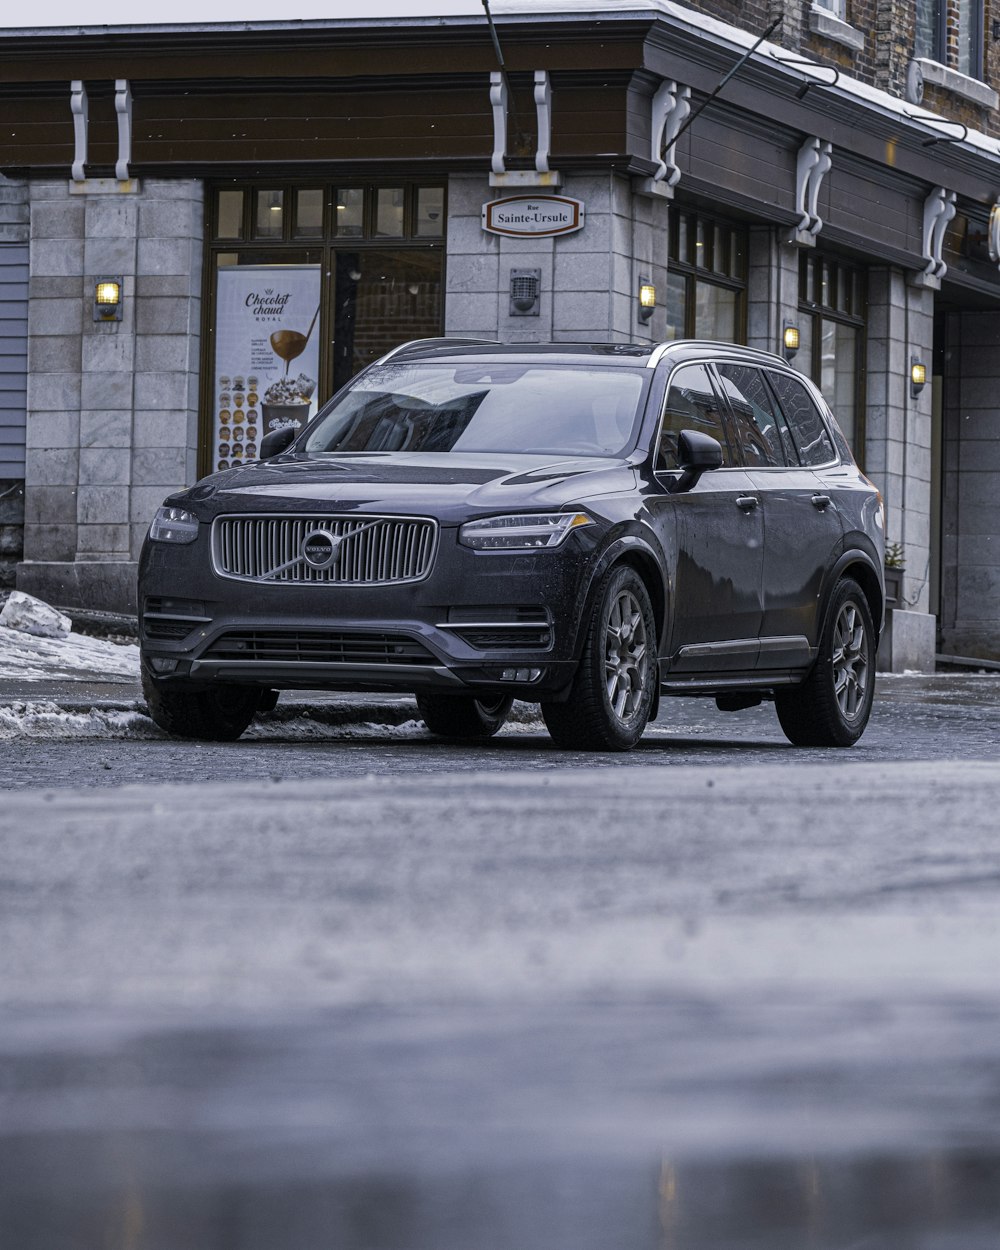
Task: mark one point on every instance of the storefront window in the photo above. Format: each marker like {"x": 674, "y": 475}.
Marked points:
{"x": 349, "y": 208}
{"x": 308, "y": 213}
{"x": 706, "y": 280}
{"x": 310, "y": 298}
{"x": 229, "y": 215}
{"x": 389, "y": 212}
{"x": 430, "y": 212}
{"x": 269, "y": 215}
{"x": 831, "y": 338}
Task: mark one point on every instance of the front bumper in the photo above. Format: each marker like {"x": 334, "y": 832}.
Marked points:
{"x": 479, "y": 622}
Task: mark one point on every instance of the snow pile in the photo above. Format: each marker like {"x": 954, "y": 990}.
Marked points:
{"x": 25, "y": 657}
{"x": 49, "y": 721}
{"x": 32, "y": 616}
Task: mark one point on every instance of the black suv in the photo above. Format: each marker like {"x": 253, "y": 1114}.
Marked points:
{"x": 583, "y": 526}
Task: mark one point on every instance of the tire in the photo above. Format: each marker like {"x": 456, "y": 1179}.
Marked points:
{"x": 218, "y": 714}
{"x": 615, "y": 686}
{"x": 831, "y": 707}
{"x": 463, "y": 716}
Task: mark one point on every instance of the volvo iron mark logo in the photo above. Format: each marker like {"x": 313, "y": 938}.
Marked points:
{"x": 320, "y": 549}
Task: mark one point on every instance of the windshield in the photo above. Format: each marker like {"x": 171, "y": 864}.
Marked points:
{"x": 469, "y": 407}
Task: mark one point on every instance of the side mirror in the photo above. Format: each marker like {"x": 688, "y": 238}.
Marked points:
{"x": 697, "y": 453}
{"x": 274, "y": 444}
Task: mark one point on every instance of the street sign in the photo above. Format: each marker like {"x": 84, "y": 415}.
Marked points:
{"x": 533, "y": 216}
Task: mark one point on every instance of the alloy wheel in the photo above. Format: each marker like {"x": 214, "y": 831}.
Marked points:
{"x": 626, "y": 656}
{"x": 851, "y": 661}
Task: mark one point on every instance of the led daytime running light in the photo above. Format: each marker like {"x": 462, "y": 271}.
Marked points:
{"x": 522, "y": 531}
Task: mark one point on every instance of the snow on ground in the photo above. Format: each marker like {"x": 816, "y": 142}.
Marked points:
{"x": 24, "y": 657}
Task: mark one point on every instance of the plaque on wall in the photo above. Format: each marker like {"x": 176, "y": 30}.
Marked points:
{"x": 533, "y": 216}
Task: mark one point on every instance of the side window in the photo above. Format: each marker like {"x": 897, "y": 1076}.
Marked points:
{"x": 808, "y": 429}
{"x": 691, "y": 405}
{"x": 763, "y": 435}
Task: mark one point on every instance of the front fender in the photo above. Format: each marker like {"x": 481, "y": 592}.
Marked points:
{"x": 644, "y": 553}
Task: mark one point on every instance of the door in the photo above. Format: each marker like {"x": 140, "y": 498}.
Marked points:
{"x": 718, "y": 539}
{"x": 802, "y": 525}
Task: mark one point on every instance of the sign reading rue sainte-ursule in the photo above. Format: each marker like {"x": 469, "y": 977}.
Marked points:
{"x": 533, "y": 215}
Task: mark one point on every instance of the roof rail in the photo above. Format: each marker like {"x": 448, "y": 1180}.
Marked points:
{"x": 423, "y": 344}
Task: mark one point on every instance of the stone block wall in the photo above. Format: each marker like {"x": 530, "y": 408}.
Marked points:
{"x": 112, "y": 406}
{"x": 589, "y": 279}
{"x": 13, "y": 238}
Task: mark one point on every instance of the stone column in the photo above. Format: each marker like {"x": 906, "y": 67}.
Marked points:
{"x": 589, "y": 279}
{"x": 898, "y": 452}
{"x": 112, "y": 406}
{"x": 772, "y": 289}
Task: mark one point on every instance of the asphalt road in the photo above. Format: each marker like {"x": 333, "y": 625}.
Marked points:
{"x": 954, "y": 716}
{"x": 390, "y": 994}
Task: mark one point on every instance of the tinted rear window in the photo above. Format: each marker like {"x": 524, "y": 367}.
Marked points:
{"x": 808, "y": 428}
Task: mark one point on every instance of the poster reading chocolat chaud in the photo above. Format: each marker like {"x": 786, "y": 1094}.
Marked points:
{"x": 266, "y": 355}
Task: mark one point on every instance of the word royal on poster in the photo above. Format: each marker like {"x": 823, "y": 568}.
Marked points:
{"x": 533, "y": 215}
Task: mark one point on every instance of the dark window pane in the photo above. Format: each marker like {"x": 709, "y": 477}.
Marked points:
{"x": 676, "y": 305}
{"x": 349, "y": 219}
{"x": 269, "y": 215}
{"x": 808, "y": 430}
{"x": 758, "y": 426}
{"x": 389, "y": 212}
{"x": 230, "y": 218}
{"x": 715, "y": 313}
{"x": 308, "y": 214}
{"x": 430, "y": 212}
{"x": 691, "y": 405}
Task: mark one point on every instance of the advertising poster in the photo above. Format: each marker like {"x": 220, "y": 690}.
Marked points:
{"x": 266, "y": 355}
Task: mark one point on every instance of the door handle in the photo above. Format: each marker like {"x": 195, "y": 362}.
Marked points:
{"x": 822, "y": 502}
{"x": 747, "y": 502}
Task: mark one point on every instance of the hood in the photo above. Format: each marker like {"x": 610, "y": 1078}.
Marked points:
{"x": 452, "y": 486}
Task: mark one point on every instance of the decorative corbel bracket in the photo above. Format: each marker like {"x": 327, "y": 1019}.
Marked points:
{"x": 541, "y": 175}
{"x": 811, "y": 167}
{"x": 123, "y": 108}
{"x": 543, "y": 111}
{"x": 498, "y": 100}
{"x": 939, "y": 209}
{"x": 993, "y": 233}
{"x": 669, "y": 110}
{"x": 81, "y": 119}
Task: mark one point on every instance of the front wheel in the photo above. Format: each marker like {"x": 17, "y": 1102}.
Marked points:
{"x": 612, "y": 695}
{"x": 217, "y": 714}
{"x": 831, "y": 707}
{"x": 462, "y": 716}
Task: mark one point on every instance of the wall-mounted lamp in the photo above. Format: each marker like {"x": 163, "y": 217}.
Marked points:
{"x": 647, "y": 299}
{"x": 918, "y": 376}
{"x": 108, "y": 299}
{"x": 790, "y": 340}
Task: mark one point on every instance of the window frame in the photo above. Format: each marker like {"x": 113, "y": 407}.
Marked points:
{"x": 692, "y": 273}
{"x": 818, "y": 313}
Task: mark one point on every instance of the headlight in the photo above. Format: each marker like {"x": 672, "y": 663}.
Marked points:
{"x": 523, "y": 531}
{"x": 173, "y": 525}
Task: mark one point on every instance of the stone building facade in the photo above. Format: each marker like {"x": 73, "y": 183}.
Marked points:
{"x": 843, "y": 182}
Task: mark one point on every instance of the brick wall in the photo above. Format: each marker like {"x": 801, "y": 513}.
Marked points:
{"x": 887, "y": 28}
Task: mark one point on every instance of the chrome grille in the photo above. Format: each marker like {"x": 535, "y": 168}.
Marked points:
{"x": 372, "y": 550}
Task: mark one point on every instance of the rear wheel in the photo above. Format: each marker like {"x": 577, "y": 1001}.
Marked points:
{"x": 615, "y": 687}
{"x": 216, "y": 714}
{"x": 831, "y": 707}
{"x": 463, "y": 716}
